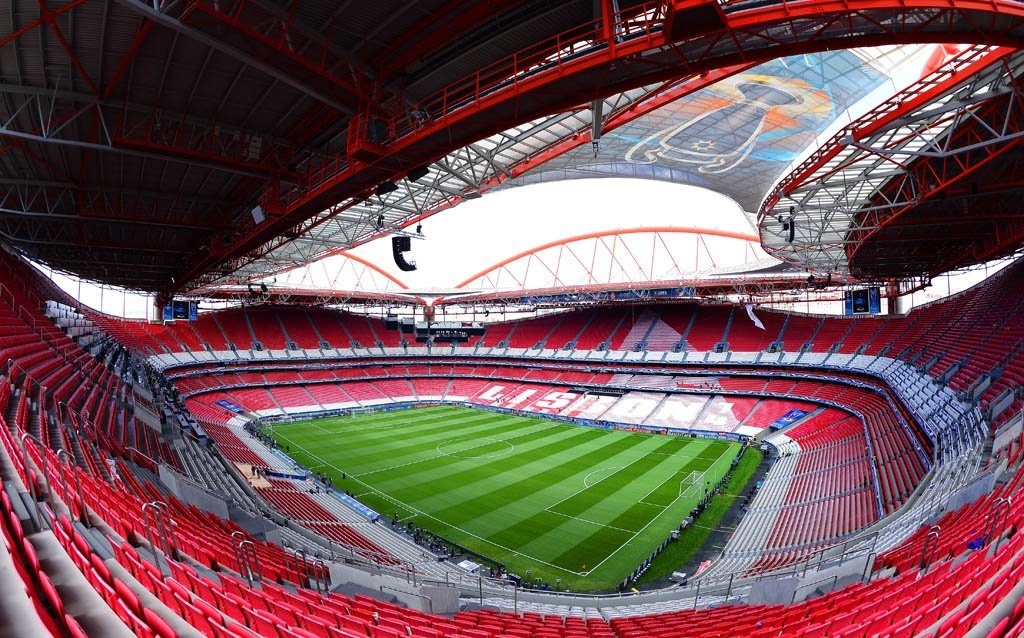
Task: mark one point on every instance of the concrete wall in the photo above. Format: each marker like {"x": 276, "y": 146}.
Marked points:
{"x": 435, "y": 599}
{"x": 189, "y": 493}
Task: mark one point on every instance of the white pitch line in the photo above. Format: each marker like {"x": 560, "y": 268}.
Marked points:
{"x": 649, "y": 523}
{"x": 395, "y": 467}
{"x": 496, "y": 455}
{"x": 587, "y": 487}
{"x": 682, "y": 456}
{"x": 508, "y": 549}
{"x": 426, "y": 420}
{"x": 655, "y": 489}
{"x": 440, "y": 454}
{"x": 584, "y": 520}
{"x": 419, "y": 512}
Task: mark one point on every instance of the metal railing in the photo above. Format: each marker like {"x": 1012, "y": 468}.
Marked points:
{"x": 158, "y": 523}
{"x": 247, "y": 558}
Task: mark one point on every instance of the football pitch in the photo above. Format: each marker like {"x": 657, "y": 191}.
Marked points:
{"x": 578, "y": 504}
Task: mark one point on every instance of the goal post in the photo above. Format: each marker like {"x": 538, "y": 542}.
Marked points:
{"x": 692, "y": 484}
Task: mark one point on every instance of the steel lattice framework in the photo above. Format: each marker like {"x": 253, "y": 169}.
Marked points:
{"x": 786, "y": 286}
{"x": 927, "y": 181}
{"x": 465, "y": 173}
{"x": 642, "y": 264}
{"x": 163, "y": 145}
{"x": 633, "y": 258}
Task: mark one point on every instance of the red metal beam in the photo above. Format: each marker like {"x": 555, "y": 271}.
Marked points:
{"x": 931, "y": 176}
{"x": 665, "y": 95}
{"x": 445, "y": 25}
{"x": 285, "y": 44}
{"x": 126, "y": 61}
{"x": 51, "y": 20}
{"x": 704, "y": 288}
{"x": 689, "y": 230}
{"x": 170, "y": 150}
{"x": 377, "y": 269}
{"x": 884, "y": 114}
{"x": 682, "y": 87}
{"x": 45, "y": 18}
{"x": 547, "y": 78}
{"x": 297, "y": 295}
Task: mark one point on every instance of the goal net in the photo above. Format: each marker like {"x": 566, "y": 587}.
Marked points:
{"x": 692, "y": 484}
{"x": 362, "y": 410}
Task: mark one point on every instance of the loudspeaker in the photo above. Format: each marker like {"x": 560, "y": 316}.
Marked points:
{"x": 386, "y": 187}
{"x": 399, "y": 245}
{"x": 418, "y": 173}
{"x": 258, "y": 215}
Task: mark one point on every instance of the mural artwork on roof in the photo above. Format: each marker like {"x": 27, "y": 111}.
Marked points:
{"x": 736, "y": 137}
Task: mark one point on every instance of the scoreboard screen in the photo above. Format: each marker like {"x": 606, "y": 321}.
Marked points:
{"x": 863, "y": 301}
{"x": 181, "y": 310}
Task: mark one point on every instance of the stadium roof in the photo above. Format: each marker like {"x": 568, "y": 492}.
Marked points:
{"x": 168, "y": 146}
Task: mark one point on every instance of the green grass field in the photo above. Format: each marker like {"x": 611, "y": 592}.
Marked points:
{"x": 584, "y": 505}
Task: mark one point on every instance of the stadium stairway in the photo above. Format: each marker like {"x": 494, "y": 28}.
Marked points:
{"x": 793, "y": 386}
{"x": 958, "y": 589}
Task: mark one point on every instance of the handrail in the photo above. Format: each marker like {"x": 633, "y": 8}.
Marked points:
{"x": 877, "y": 117}
{"x": 997, "y": 513}
{"x": 633, "y": 25}
{"x": 155, "y": 517}
{"x": 73, "y": 470}
{"x": 298, "y": 555}
{"x": 79, "y": 420}
{"x": 139, "y": 453}
{"x": 852, "y": 547}
{"x": 248, "y": 560}
{"x": 323, "y": 576}
{"x": 929, "y": 546}
{"x": 869, "y": 566}
{"x": 31, "y": 484}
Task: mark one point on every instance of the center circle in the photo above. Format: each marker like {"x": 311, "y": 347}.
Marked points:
{"x": 465, "y": 448}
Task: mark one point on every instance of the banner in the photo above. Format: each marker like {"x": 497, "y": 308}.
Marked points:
{"x": 753, "y": 317}
{"x": 788, "y": 418}
{"x": 228, "y": 405}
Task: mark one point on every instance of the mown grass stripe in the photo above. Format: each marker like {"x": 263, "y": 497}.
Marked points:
{"x": 529, "y": 473}
{"x": 380, "y": 451}
{"x": 498, "y": 505}
{"x": 626, "y": 479}
{"x": 459, "y": 474}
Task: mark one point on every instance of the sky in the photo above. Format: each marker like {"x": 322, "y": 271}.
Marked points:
{"x": 468, "y": 238}
{"x": 478, "y": 233}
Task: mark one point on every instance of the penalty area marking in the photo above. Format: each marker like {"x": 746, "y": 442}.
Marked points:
{"x": 421, "y": 513}
{"x": 586, "y": 479}
{"x": 652, "y": 521}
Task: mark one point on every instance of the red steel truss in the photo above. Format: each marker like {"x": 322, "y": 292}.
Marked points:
{"x": 201, "y": 130}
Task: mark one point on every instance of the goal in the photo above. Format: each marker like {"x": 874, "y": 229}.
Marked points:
{"x": 362, "y": 410}
{"x": 692, "y": 485}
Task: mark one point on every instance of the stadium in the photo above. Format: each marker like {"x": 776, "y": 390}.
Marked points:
{"x": 608, "y": 319}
